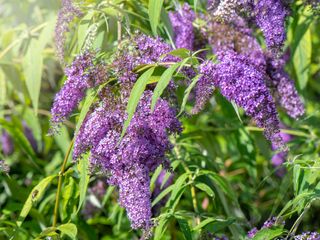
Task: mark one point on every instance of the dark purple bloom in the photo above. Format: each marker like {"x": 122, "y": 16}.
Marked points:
{"x": 270, "y": 16}
{"x": 7, "y": 143}
{"x": 67, "y": 13}
{"x": 181, "y": 21}
{"x": 267, "y": 224}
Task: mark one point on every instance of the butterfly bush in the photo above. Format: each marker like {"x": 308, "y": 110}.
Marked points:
{"x": 6, "y": 143}
{"x": 244, "y": 73}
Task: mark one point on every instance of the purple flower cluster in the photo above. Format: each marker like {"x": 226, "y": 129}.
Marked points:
{"x": 283, "y": 88}
{"x": 139, "y": 50}
{"x": 181, "y": 21}
{"x": 240, "y": 81}
{"x": 308, "y": 236}
{"x": 140, "y": 152}
{"x": 67, "y": 13}
{"x": 270, "y": 16}
{"x": 81, "y": 75}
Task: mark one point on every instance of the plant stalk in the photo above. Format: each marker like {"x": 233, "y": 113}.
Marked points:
{"x": 63, "y": 167}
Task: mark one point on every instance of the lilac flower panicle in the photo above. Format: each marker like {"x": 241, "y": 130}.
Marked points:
{"x": 270, "y": 16}
{"x": 141, "y": 151}
{"x": 226, "y": 9}
{"x": 240, "y": 81}
{"x": 284, "y": 88}
{"x": 252, "y": 232}
{"x": 181, "y": 21}
{"x": 66, "y": 15}
{"x": 6, "y": 143}
{"x": 267, "y": 224}
{"x": 81, "y": 75}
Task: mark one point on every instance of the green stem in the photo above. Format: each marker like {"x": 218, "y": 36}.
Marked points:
{"x": 63, "y": 167}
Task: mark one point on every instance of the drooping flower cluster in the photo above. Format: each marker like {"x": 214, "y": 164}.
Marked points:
{"x": 128, "y": 162}
{"x": 67, "y": 13}
{"x": 270, "y": 16}
{"x": 83, "y": 73}
{"x": 181, "y": 21}
{"x": 139, "y": 153}
{"x": 283, "y": 88}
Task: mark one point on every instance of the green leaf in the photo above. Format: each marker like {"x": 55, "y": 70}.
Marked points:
{"x": 205, "y": 188}
{"x": 214, "y": 224}
{"x": 163, "y": 83}
{"x": 69, "y": 229}
{"x": 180, "y": 52}
{"x": 154, "y": 10}
{"x": 36, "y": 193}
{"x": 83, "y": 168}
{"x": 268, "y": 233}
{"x": 162, "y": 195}
{"x": 184, "y": 226}
{"x": 302, "y": 59}
{"x": 135, "y": 96}
{"x": 33, "y": 63}
{"x": 187, "y": 93}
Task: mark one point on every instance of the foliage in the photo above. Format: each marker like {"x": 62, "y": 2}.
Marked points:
{"x": 223, "y": 181}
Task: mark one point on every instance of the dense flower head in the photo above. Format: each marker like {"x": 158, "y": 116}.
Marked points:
{"x": 6, "y": 143}
{"x": 181, "y": 21}
{"x": 67, "y": 13}
{"x": 270, "y": 16}
{"x": 81, "y": 75}
{"x": 240, "y": 81}
{"x": 140, "y": 152}
{"x": 283, "y": 88}
{"x": 226, "y": 9}
{"x": 234, "y": 36}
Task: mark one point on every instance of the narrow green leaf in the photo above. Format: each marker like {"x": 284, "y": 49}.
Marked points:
{"x": 185, "y": 229}
{"x": 69, "y": 229}
{"x": 302, "y": 59}
{"x": 83, "y": 168}
{"x": 135, "y": 95}
{"x": 187, "y": 93}
{"x": 205, "y": 188}
{"x": 33, "y": 63}
{"x": 154, "y": 11}
{"x": 268, "y": 233}
{"x": 162, "y": 195}
{"x": 214, "y": 224}
{"x": 180, "y": 52}
{"x": 163, "y": 83}
{"x": 36, "y": 193}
